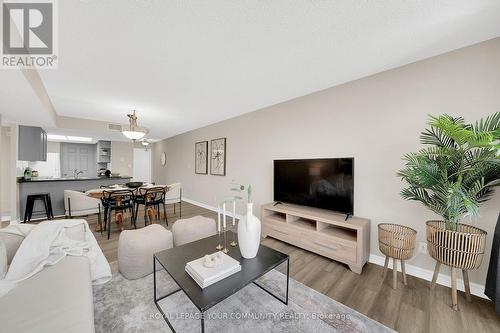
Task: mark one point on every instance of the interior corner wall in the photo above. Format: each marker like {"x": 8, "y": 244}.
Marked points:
{"x": 2, "y": 172}
{"x": 376, "y": 120}
{"x": 12, "y": 180}
{"x": 5, "y": 171}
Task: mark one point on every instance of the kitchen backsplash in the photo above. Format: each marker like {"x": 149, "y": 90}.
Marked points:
{"x": 50, "y": 168}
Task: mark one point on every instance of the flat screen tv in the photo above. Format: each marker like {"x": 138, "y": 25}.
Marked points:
{"x": 323, "y": 183}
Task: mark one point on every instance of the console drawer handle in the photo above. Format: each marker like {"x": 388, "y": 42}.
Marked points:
{"x": 334, "y": 247}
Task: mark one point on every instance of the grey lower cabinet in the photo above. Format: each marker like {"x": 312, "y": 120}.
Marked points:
{"x": 32, "y": 144}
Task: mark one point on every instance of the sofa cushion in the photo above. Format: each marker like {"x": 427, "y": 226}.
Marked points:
{"x": 58, "y": 299}
{"x": 12, "y": 243}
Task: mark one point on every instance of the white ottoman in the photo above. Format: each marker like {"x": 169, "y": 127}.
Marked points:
{"x": 136, "y": 249}
{"x": 192, "y": 229}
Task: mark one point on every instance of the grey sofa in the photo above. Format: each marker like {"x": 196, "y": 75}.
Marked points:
{"x": 57, "y": 299}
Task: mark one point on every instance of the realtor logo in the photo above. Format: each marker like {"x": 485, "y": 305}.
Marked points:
{"x": 29, "y": 34}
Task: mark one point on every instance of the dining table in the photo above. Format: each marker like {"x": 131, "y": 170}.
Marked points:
{"x": 98, "y": 193}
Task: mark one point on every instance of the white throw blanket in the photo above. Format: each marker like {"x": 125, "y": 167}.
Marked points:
{"x": 46, "y": 244}
{"x": 18, "y": 229}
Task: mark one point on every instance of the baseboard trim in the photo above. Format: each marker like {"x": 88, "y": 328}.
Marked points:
{"x": 425, "y": 274}
{"x": 422, "y": 273}
{"x": 212, "y": 208}
{"x": 5, "y": 218}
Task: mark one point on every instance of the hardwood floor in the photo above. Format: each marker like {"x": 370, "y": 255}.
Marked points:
{"x": 411, "y": 308}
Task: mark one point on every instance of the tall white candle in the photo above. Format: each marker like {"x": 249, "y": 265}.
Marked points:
{"x": 218, "y": 218}
{"x": 234, "y": 212}
{"x": 224, "y": 215}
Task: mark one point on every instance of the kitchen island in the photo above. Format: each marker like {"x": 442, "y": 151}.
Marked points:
{"x": 56, "y": 187}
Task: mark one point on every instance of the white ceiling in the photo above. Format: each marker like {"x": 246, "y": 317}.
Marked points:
{"x": 185, "y": 64}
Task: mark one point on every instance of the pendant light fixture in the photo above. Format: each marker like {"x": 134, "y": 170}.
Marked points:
{"x": 145, "y": 143}
{"x": 133, "y": 131}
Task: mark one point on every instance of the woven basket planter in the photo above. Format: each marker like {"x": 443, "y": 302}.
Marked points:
{"x": 462, "y": 249}
{"x": 396, "y": 241}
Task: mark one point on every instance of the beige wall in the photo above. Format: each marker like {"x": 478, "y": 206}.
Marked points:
{"x": 376, "y": 120}
{"x": 158, "y": 171}
{"x": 53, "y": 147}
{"x": 122, "y": 158}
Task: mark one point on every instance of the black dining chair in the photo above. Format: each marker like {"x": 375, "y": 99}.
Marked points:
{"x": 112, "y": 187}
{"x": 118, "y": 201}
{"x": 151, "y": 197}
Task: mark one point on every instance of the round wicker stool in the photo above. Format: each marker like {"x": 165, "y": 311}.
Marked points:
{"x": 396, "y": 242}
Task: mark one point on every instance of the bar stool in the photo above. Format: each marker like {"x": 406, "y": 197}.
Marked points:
{"x": 30, "y": 202}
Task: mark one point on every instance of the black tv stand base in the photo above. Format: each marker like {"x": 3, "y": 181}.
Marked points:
{"x": 277, "y": 203}
{"x": 347, "y": 216}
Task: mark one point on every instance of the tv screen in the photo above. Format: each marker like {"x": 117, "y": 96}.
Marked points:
{"x": 323, "y": 183}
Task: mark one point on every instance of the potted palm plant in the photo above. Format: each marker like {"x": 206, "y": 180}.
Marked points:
{"x": 452, "y": 175}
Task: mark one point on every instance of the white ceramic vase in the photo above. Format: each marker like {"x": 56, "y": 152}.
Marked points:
{"x": 249, "y": 234}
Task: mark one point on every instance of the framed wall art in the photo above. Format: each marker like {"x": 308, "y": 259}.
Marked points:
{"x": 201, "y": 157}
{"x": 218, "y": 157}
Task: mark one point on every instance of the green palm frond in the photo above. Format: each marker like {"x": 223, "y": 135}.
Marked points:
{"x": 483, "y": 139}
{"x": 437, "y": 151}
{"x": 457, "y": 169}
{"x": 434, "y": 136}
{"x": 453, "y": 129}
{"x": 489, "y": 124}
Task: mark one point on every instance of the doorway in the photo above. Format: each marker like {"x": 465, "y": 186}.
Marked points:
{"x": 78, "y": 157}
{"x": 142, "y": 165}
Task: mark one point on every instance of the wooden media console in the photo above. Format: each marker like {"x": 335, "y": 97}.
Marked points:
{"x": 320, "y": 231}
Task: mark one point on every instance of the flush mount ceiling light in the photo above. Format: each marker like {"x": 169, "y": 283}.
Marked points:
{"x": 57, "y": 137}
{"x": 79, "y": 138}
{"x": 133, "y": 131}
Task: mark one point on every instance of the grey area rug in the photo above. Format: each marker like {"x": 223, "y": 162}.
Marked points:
{"x": 123, "y": 305}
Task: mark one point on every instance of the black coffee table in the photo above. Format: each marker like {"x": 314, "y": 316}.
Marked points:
{"x": 174, "y": 262}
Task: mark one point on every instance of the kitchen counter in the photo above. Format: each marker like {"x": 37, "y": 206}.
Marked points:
{"x": 55, "y": 187}
{"x": 65, "y": 179}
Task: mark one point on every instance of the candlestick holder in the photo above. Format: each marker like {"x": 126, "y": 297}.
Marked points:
{"x": 219, "y": 246}
{"x": 225, "y": 250}
{"x": 233, "y": 243}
